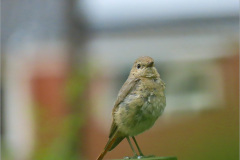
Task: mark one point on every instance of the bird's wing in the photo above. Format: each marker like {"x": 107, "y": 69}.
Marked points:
{"x": 126, "y": 88}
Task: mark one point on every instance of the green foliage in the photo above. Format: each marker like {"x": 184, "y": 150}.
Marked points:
{"x": 67, "y": 145}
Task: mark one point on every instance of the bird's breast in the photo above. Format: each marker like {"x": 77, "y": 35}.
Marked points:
{"x": 141, "y": 108}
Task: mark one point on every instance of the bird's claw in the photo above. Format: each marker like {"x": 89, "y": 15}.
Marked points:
{"x": 138, "y": 157}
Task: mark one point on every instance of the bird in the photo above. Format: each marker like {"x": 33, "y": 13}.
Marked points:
{"x": 140, "y": 102}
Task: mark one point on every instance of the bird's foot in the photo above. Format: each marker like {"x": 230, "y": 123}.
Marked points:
{"x": 139, "y": 157}
{"x": 133, "y": 157}
{"x": 142, "y": 156}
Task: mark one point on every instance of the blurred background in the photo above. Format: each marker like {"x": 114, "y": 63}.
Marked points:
{"x": 63, "y": 62}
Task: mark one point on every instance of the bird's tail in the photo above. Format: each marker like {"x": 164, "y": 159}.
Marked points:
{"x": 112, "y": 143}
{"x": 107, "y": 148}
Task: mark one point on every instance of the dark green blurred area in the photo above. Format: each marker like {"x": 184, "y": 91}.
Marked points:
{"x": 63, "y": 63}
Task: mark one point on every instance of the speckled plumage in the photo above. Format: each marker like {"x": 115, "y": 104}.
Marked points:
{"x": 141, "y": 107}
{"x": 140, "y": 102}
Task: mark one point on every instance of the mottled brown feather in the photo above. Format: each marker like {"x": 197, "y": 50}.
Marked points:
{"x": 126, "y": 88}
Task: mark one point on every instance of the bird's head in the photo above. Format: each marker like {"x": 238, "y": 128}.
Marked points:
{"x": 144, "y": 67}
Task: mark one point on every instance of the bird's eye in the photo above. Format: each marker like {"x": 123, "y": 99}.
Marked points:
{"x": 138, "y": 66}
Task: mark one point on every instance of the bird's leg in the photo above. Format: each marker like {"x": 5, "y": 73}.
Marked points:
{"x": 135, "y": 154}
{"x": 139, "y": 150}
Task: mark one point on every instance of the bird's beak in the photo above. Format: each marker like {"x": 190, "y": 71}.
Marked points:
{"x": 150, "y": 64}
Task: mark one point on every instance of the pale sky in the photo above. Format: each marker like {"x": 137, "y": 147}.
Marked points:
{"x": 105, "y": 13}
